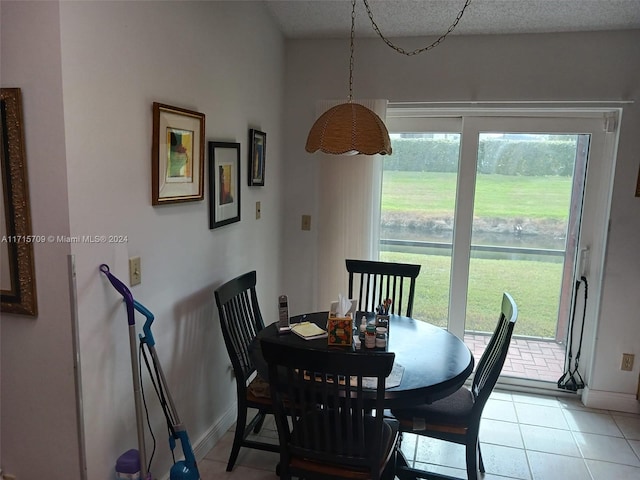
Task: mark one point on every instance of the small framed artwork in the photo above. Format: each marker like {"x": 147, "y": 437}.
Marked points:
{"x": 257, "y": 156}
{"x": 224, "y": 183}
{"x": 177, "y": 163}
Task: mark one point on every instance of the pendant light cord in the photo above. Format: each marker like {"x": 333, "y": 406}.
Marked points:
{"x": 400, "y": 49}
{"x": 353, "y": 34}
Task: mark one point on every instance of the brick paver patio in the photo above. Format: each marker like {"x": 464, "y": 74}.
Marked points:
{"x": 527, "y": 358}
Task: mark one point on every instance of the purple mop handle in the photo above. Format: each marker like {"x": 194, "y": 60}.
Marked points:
{"x": 122, "y": 290}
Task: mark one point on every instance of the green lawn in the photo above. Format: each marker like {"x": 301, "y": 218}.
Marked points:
{"x": 496, "y": 195}
{"x": 535, "y": 285}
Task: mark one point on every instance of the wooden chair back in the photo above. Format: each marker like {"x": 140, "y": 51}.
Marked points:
{"x": 373, "y": 282}
{"x": 493, "y": 358}
{"x": 324, "y": 411}
{"x": 241, "y": 320}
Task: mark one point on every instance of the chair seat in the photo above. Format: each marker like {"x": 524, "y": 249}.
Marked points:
{"x": 453, "y": 410}
{"x": 258, "y": 391}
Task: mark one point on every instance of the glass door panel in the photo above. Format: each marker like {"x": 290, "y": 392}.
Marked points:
{"x": 418, "y": 205}
{"x": 522, "y": 207}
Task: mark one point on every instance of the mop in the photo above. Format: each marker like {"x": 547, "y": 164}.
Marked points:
{"x": 571, "y": 379}
{"x": 184, "y": 469}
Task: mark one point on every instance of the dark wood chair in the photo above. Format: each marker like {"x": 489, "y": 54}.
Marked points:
{"x": 329, "y": 425}
{"x": 241, "y": 320}
{"x": 374, "y": 282}
{"x": 456, "y": 418}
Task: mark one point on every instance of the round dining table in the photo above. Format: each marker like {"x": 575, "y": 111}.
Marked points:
{"x": 434, "y": 362}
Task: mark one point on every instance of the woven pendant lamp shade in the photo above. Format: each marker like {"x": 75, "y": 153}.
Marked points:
{"x": 349, "y": 128}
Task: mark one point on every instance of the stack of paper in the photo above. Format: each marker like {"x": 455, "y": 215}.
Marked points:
{"x": 308, "y": 330}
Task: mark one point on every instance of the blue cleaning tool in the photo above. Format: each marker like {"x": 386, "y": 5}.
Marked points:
{"x": 186, "y": 469}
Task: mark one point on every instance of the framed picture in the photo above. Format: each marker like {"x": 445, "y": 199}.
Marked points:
{"x": 224, "y": 183}
{"x": 257, "y": 155}
{"x": 17, "y": 264}
{"x": 177, "y": 163}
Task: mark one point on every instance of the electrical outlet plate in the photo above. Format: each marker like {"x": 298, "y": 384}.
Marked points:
{"x": 627, "y": 362}
{"x": 306, "y": 222}
{"x": 135, "y": 272}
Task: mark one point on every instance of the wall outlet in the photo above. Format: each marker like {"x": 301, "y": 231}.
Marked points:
{"x": 135, "y": 272}
{"x": 627, "y": 362}
{"x": 306, "y": 222}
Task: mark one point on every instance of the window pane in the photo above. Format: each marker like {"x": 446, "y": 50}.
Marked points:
{"x": 520, "y": 228}
{"x": 418, "y": 202}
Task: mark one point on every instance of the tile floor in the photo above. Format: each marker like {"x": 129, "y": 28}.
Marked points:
{"x": 524, "y": 437}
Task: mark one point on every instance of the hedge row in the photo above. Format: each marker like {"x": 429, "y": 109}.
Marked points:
{"x": 499, "y": 156}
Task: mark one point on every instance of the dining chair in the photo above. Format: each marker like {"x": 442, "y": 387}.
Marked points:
{"x": 375, "y": 282}
{"x": 241, "y": 320}
{"x": 330, "y": 420}
{"x": 456, "y": 418}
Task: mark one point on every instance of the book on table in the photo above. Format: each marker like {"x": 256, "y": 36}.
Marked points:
{"x": 308, "y": 330}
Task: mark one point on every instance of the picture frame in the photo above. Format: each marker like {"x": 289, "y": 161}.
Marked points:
{"x": 17, "y": 263}
{"x": 177, "y": 158}
{"x": 257, "y": 157}
{"x": 224, "y": 183}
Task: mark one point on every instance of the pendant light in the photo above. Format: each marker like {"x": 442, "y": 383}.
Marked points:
{"x": 349, "y": 128}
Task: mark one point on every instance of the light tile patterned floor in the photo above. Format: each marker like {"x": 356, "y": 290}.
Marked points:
{"x": 527, "y": 358}
{"x": 523, "y": 437}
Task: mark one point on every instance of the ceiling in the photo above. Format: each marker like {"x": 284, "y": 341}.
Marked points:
{"x": 404, "y": 18}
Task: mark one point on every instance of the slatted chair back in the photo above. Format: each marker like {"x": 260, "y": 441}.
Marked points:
{"x": 324, "y": 415}
{"x": 494, "y": 356}
{"x": 373, "y": 282}
{"x": 241, "y": 320}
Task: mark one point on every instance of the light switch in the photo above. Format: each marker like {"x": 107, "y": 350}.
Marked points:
{"x": 135, "y": 272}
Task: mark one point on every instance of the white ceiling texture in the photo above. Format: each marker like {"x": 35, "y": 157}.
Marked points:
{"x": 407, "y": 18}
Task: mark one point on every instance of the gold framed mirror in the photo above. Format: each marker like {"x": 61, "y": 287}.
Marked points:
{"x": 17, "y": 268}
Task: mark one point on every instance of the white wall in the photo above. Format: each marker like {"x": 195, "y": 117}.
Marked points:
{"x": 103, "y": 64}
{"x": 559, "y": 67}
{"x": 38, "y": 415}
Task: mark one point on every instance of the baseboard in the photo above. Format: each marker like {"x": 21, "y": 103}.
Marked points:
{"x": 619, "y": 402}
{"x": 207, "y": 441}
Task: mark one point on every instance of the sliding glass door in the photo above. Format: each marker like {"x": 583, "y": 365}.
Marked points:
{"x": 490, "y": 204}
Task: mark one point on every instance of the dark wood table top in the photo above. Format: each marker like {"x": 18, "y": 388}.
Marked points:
{"x": 436, "y": 363}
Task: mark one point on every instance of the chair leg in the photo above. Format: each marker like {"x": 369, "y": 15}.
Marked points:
{"x": 258, "y": 425}
{"x": 238, "y": 437}
{"x": 481, "y": 463}
{"x": 472, "y": 459}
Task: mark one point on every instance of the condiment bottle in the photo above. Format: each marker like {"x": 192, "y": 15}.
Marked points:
{"x": 370, "y": 338}
{"x": 381, "y": 337}
{"x": 363, "y": 328}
